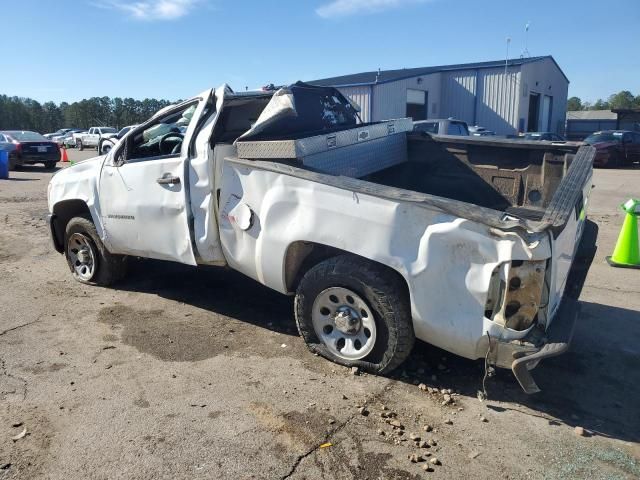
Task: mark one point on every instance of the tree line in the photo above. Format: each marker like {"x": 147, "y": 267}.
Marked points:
{"x": 622, "y": 99}
{"x": 18, "y": 113}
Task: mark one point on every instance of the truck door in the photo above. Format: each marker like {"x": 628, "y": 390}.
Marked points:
{"x": 143, "y": 186}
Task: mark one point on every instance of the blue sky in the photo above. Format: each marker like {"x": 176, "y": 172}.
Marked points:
{"x": 73, "y": 49}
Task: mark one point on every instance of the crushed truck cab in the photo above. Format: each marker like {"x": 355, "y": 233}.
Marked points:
{"x": 384, "y": 235}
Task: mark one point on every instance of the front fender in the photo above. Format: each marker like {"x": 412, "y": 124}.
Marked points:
{"x": 74, "y": 186}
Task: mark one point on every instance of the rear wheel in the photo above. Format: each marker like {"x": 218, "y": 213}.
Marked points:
{"x": 88, "y": 259}
{"x": 12, "y": 162}
{"x": 50, "y": 165}
{"x": 355, "y": 313}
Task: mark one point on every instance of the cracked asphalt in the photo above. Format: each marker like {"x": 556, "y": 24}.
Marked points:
{"x": 187, "y": 373}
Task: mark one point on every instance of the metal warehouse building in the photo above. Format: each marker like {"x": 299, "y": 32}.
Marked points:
{"x": 518, "y": 95}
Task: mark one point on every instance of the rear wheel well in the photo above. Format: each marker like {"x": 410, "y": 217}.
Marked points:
{"x": 62, "y": 213}
{"x": 302, "y": 256}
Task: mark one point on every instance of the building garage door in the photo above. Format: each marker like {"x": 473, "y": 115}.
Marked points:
{"x": 417, "y": 101}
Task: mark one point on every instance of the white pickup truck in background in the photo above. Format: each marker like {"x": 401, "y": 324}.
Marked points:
{"x": 93, "y": 136}
{"x": 382, "y": 234}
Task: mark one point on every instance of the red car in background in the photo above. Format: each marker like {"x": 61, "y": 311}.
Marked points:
{"x": 615, "y": 148}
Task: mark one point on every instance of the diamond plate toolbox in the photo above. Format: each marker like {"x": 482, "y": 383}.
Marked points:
{"x": 303, "y": 147}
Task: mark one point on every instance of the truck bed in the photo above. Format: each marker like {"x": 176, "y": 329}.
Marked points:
{"x": 515, "y": 177}
{"x": 480, "y": 179}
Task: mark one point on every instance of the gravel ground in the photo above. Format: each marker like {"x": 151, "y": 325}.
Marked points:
{"x": 199, "y": 373}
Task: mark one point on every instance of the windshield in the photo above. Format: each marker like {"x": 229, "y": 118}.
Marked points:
{"x": 123, "y": 131}
{"x": 604, "y": 137}
{"x": 108, "y": 130}
{"x": 28, "y": 137}
{"x": 430, "y": 127}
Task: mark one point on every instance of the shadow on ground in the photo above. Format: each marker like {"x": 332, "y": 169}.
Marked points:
{"x": 219, "y": 290}
{"x": 595, "y": 385}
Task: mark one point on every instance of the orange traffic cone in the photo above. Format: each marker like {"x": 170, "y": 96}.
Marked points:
{"x": 65, "y": 157}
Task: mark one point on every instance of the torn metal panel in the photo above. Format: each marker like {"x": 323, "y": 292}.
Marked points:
{"x": 447, "y": 261}
{"x": 522, "y": 294}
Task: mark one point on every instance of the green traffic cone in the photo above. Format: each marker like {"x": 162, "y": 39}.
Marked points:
{"x": 627, "y": 251}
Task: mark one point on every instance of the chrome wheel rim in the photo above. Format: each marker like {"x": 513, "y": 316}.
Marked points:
{"x": 344, "y": 322}
{"x": 81, "y": 256}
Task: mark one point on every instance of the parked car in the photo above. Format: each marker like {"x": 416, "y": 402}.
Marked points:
{"x": 69, "y": 140}
{"x": 615, "y": 148}
{"x": 546, "y": 136}
{"x": 446, "y": 126}
{"x": 478, "y": 131}
{"x": 57, "y": 133}
{"x": 62, "y": 139}
{"x": 470, "y": 245}
{"x": 29, "y": 148}
{"x": 106, "y": 143}
{"x": 93, "y": 136}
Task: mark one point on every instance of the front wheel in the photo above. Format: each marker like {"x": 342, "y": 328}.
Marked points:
{"x": 79, "y": 145}
{"x": 355, "y": 313}
{"x": 88, "y": 259}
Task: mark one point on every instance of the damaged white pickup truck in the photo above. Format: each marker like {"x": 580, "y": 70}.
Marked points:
{"x": 382, "y": 234}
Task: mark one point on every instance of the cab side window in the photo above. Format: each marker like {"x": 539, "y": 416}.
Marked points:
{"x": 163, "y": 138}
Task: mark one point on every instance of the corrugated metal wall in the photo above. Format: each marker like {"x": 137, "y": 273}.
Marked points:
{"x": 580, "y": 129}
{"x": 498, "y": 100}
{"x": 458, "y": 94}
{"x": 545, "y": 78}
{"x": 390, "y": 99}
{"x": 491, "y": 98}
{"x": 483, "y": 97}
{"x": 360, "y": 95}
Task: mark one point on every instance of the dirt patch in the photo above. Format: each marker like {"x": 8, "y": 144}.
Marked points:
{"x": 40, "y": 369}
{"x": 294, "y": 430}
{"x": 26, "y": 456}
{"x": 191, "y": 338}
{"x": 11, "y": 249}
{"x": 142, "y": 403}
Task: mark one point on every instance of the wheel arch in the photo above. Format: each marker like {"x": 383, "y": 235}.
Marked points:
{"x": 302, "y": 256}
{"x": 64, "y": 211}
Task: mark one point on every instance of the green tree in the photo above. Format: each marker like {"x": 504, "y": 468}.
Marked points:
{"x": 622, "y": 99}
{"x": 600, "y": 105}
{"x": 574, "y": 103}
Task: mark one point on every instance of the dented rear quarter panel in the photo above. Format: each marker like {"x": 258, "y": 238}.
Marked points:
{"x": 445, "y": 260}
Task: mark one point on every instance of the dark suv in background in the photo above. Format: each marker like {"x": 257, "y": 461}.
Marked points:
{"x": 615, "y": 148}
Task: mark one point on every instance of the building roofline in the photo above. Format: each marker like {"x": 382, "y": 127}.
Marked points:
{"x": 438, "y": 69}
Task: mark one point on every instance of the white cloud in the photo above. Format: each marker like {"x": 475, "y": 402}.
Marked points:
{"x": 150, "y": 10}
{"x": 343, "y": 8}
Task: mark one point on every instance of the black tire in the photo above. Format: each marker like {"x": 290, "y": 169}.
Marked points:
{"x": 79, "y": 145}
{"x": 12, "y": 162}
{"x": 50, "y": 165}
{"x": 386, "y": 296}
{"x": 108, "y": 268}
{"x": 616, "y": 161}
